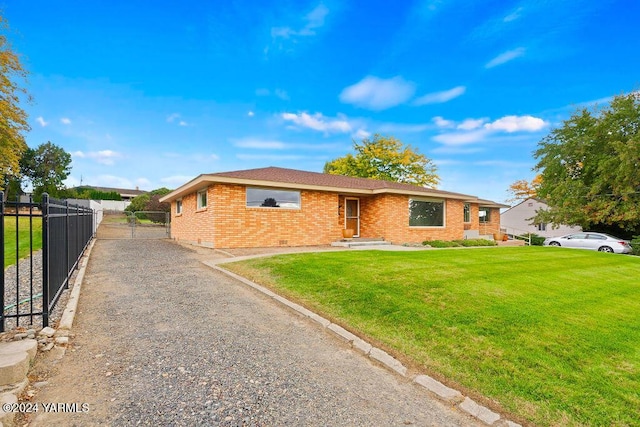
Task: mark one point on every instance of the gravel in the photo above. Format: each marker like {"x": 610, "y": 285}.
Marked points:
{"x": 21, "y": 274}
{"x": 160, "y": 339}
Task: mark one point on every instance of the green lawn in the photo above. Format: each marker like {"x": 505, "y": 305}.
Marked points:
{"x": 550, "y": 335}
{"x": 23, "y": 238}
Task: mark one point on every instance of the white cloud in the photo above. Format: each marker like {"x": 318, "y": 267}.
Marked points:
{"x": 105, "y": 157}
{"x": 441, "y": 122}
{"x": 318, "y": 122}
{"x": 472, "y": 131}
{"x": 251, "y": 114}
{"x": 513, "y": 15}
{"x": 440, "y": 97}
{"x": 461, "y": 138}
{"x": 175, "y": 118}
{"x": 471, "y": 124}
{"x": 259, "y": 144}
{"x": 374, "y": 93}
{"x": 65, "y": 121}
{"x": 313, "y": 20}
{"x": 41, "y": 121}
{"x": 517, "y": 124}
{"x": 505, "y": 57}
{"x": 361, "y": 134}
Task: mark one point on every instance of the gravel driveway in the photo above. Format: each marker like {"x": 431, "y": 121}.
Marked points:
{"x": 162, "y": 340}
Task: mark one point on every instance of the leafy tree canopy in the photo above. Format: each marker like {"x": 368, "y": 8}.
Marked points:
{"x": 523, "y": 189}
{"x": 589, "y": 167}
{"x": 388, "y": 159}
{"x": 150, "y": 201}
{"x": 46, "y": 167}
{"x": 13, "y": 119}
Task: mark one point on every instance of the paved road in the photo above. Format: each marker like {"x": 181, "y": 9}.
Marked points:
{"x": 162, "y": 340}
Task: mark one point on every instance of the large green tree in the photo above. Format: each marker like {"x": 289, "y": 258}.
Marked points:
{"x": 13, "y": 119}
{"x": 386, "y": 158}
{"x": 46, "y": 167}
{"x": 589, "y": 167}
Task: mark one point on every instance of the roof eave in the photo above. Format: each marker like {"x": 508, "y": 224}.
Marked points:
{"x": 203, "y": 180}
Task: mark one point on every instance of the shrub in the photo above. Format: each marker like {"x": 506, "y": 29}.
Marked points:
{"x": 458, "y": 243}
{"x": 635, "y": 245}
{"x": 536, "y": 240}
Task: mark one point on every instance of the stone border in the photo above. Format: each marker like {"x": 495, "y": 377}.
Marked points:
{"x": 435, "y": 387}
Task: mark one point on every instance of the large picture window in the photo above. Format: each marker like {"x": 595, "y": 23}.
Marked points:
{"x": 426, "y": 213}
{"x": 269, "y": 198}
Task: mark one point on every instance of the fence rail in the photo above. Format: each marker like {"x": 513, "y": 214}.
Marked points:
{"x": 66, "y": 231}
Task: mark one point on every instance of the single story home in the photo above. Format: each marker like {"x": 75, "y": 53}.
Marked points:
{"x": 285, "y": 207}
{"x": 519, "y": 219}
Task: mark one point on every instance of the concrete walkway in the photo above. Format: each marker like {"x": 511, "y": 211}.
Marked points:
{"x": 160, "y": 339}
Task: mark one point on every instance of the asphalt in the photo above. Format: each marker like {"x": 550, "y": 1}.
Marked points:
{"x": 161, "y": 339}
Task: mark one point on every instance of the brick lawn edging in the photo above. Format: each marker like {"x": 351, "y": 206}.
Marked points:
{"x": 435, "y": 387}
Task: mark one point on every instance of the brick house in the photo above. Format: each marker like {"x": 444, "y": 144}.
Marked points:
{"x": 286, "y": 207}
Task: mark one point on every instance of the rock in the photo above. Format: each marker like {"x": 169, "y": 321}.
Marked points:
{"x": 20, "y": 336}
{"x": 62, "y": 340}
{"x": 47, "y": 346}
{"x": 47, "y": 332}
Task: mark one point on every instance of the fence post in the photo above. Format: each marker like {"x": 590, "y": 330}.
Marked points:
{"x": 2, "y": 260}
{"x": 66, "y": 237}
{"x": 45, "y": 259}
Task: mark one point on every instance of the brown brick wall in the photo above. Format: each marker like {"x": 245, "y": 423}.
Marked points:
{"x": 228, "y": 223}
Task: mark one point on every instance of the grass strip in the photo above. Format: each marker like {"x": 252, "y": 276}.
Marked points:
{"x": 552, "y": 335}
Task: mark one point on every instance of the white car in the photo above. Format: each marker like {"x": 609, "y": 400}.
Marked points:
{"x": 595, "y": 241}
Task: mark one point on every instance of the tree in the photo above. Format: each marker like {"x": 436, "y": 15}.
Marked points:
{"x": 13, "y": 119}
{"x": 589, "y": 167}
{"x": 523, "y": 189}
{"x": 388, "y": 159}
{"x": 150, "y": 202}
{"x": 46, "y": 167}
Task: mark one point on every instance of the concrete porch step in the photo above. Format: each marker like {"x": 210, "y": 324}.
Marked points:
{"x": 360, "y": 242}
{"x": 15, "y": 359}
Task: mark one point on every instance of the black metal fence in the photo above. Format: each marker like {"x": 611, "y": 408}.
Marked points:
{"x": 32, "y": 286}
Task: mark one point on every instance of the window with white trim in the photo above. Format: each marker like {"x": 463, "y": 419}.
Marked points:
{"x": 426, "y": 213}
{"x": 202, "y": 199}
{"x": 467, "y": 212}
{"x": 484, "y": 214}
{"x": 272, "y": 198}
{"x": 178, "y": 206}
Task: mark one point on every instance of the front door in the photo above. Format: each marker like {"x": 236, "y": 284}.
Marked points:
{"x": 352, "y": 216}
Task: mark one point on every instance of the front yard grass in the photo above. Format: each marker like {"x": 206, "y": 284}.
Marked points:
{"x": 549, "y": 335}
{"x": 23, "y": 247}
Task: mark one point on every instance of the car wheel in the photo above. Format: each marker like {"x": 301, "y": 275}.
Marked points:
{"x": 605, "y": 249}
{"x": 554, "y": 244}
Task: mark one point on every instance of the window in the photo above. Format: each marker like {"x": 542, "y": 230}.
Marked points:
{"x": 485, "y": 214}
{"x": 467, "y": 212}
{"x": 268, "y": 198}
{"x": 202, "y": 199}
{"x": 426, "y": 213}
{"x": 178, "y": 207}
{"x": 542, "y": 226}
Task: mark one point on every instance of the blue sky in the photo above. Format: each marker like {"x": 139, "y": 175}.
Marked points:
{"x": 151, "y": 94}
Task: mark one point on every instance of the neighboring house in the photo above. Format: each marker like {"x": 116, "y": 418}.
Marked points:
{"x": 125, "y": 193}
{"x": 286, "y": 207}
{"x": 519, "y": 220}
